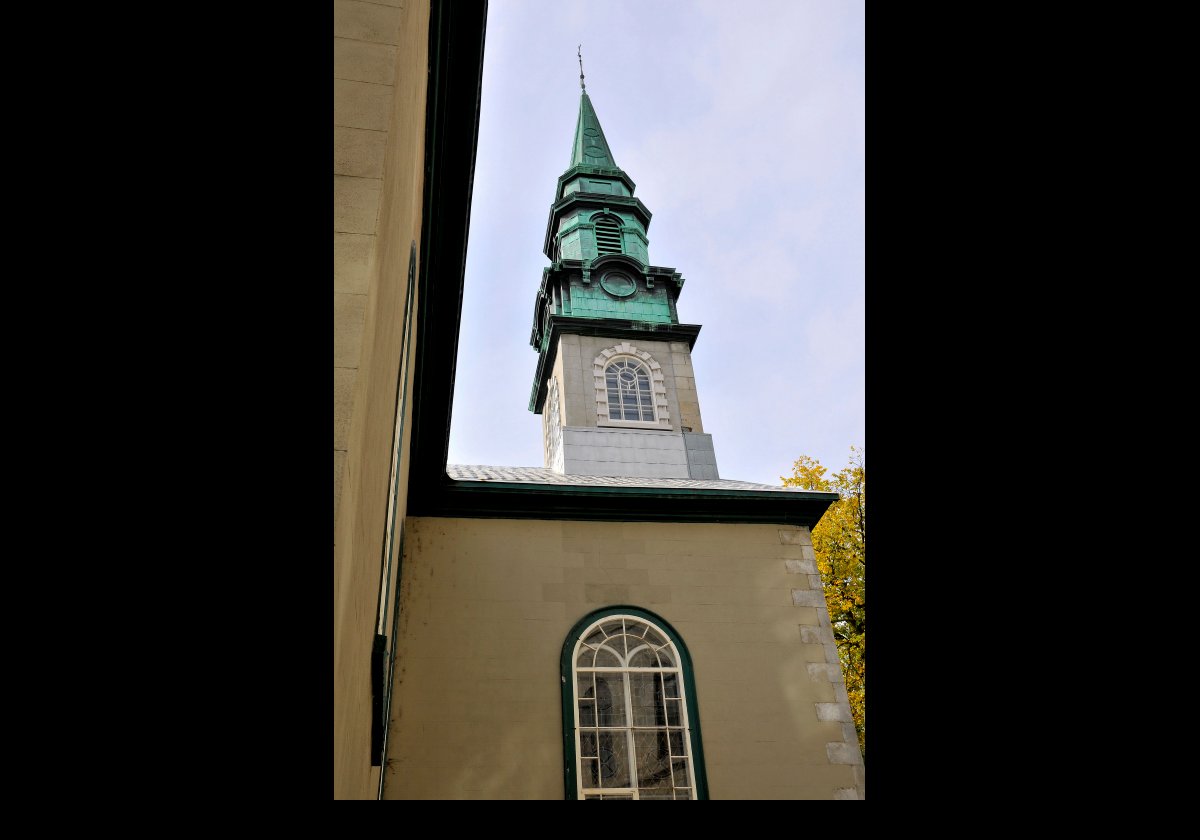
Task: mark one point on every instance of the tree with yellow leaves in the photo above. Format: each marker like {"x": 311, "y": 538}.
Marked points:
{"x": 840, "y": 545}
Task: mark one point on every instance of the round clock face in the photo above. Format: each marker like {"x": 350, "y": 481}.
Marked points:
{"x": 618, "y": 284}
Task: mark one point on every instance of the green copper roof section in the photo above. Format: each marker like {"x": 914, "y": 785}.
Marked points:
{"x": 590, "y": 148}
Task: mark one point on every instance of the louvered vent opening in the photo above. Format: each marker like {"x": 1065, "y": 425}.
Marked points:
{"x": 608, "y": 236}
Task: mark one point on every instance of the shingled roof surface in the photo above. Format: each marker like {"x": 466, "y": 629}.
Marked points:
{"x": 542, "y": 475}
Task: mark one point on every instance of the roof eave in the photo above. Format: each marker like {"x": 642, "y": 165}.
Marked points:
{"x": 522, "y": 500}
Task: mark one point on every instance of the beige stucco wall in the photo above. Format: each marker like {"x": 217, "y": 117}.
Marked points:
{"x": 573, "y": 365}
{"x": 486, "y": 605}
{"x": 380, "y": 77}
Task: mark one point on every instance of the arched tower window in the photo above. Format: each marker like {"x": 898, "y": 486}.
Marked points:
{"x": 631, "y": 390}
{"x": 630, "y": 726}
{"x": 608, "y": 235}
{"x": 630, "y": 397}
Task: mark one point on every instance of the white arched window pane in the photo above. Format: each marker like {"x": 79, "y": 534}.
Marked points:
{"x": 632, "y": 733}
{"x": 630, "y": 395}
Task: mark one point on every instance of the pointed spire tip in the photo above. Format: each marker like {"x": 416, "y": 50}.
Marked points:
{"x": 579, "y": 52}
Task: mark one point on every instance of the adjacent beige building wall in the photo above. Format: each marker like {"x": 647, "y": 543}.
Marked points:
{"x": 380, "y": 77}
{"x": 486, "y": 605}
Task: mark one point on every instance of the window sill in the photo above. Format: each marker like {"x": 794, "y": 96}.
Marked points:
{"x": 660, "y": 425}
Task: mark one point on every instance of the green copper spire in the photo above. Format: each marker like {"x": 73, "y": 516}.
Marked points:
{"x": 590, "y": 148}
{"x": 600, "y": 281}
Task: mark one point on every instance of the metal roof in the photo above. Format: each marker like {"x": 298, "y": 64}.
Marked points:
{"x": 542, "y": 475}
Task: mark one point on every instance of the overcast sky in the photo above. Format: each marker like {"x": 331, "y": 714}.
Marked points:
{"x": 742, "y": 125}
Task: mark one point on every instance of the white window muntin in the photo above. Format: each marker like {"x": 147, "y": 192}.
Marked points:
{"x": 630, "y": 728}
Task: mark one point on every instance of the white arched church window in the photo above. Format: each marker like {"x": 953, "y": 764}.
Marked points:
{"x": 554, "y": 445}
{"x": 630, "y": 389}
{"x": 627, "y": 385}
{"x": 633, "y": 735}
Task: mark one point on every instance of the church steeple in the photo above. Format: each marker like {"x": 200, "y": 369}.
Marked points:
{"x": 590, "y": 147}
{"x": 614, "y": 381}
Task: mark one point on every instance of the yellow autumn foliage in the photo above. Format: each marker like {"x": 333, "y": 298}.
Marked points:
{"x": 839, "y": 543}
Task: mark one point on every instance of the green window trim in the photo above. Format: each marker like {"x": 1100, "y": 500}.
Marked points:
{"x": 568, "y": 680}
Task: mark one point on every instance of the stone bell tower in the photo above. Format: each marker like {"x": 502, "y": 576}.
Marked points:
{"x": 614, "y": 381}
